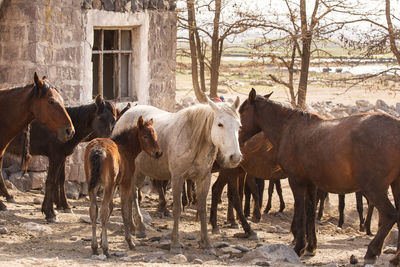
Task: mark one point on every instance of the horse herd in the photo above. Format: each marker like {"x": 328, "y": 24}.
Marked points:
{"x": 259, "y": 138}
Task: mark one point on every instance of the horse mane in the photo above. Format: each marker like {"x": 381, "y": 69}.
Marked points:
{"x": 81, "y": 114}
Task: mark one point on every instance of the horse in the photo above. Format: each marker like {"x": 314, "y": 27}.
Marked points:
{"x": 90, "y": 121}
{"x": 111, "y": 162}
{"x": 191, "y": 139}
{"x": 259, "y": 159}
{"x": 365, "y": 224}
{"x": 339, "y": 156}
{"x": 20, "y": 106}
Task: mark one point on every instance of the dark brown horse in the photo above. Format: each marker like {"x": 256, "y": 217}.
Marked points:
{"x": 112, "y": 163}
{"x": 90, "y": 121}
{"x": 259, "y": 159}
{"x": 19, "y": 106}
{"x": 355, "y": 153}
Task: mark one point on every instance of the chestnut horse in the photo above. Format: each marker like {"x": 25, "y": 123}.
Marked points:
{"x": 90, "y": 121}
{"x": 191, "y": 139}
{"x": 112, "y": 162}
{"x": 19, "y": 106}
{"x": 355, "y": 153}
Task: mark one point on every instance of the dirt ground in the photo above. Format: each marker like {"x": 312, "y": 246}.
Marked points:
{"x": 66, "y": 242}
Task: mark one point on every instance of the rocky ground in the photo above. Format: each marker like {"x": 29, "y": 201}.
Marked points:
{"x": 25, "y": 238}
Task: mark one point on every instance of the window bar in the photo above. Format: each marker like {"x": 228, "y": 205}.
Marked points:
{"x": 118, "y": 69}
{"x": 100, "y": 69}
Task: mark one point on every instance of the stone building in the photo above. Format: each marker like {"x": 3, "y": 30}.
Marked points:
{"x": 124, "y": 49}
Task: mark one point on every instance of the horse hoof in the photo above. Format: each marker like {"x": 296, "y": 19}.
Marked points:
{"x": 371, "y": 260}
{"x": 131, "y": 246}
{"x": 241, "y": 235}
{"x": 216, "y": 231}
{"x": 2, "y": 207}
{"x": 140, "y": 235}
{"x": 51, "y": 220}
{"x": 11, "y": 200}
{"x": 69, "y": 210}
{"x": 175, "y": 250}
{"x": 234, "y": 226}
{"x": 253, "y": 236}
{"x": 311, "y": 253}
{"x": 210, "y": 251}
{"x": 256, "y": 219}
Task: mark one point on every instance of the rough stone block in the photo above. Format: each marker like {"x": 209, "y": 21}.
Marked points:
{"x": 38, "y": 179}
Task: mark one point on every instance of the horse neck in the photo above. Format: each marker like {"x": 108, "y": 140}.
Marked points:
{"x": 128, "y": 143}
{"x": 82, "y": 118}
{"x": 15, "y": 112}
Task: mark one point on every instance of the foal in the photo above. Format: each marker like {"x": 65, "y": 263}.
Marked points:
{"x": 112, "y": 162}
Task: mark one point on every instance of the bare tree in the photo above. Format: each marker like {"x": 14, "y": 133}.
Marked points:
{"x": 207, "y": 36}
{"x": 304, "y": 33}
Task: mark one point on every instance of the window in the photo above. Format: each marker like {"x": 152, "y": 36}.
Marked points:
{"x": 111, "y": 58}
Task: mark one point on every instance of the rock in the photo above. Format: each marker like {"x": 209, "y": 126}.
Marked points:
{"x": 380, "y": 104}
{"x": 155, "y": 238}
{"x": 221, "y": 244}
{"x": 72, "y": 190}
{"x": 178, "y": 259}
{"x": 231, "y": 251}
{"x": 390, "y": 250}
{"x": 73, "y": 238}
{"x": 281, "y": 230}
{"x": 37, "y": 228}
{"x": 150, "y": 257}
{"x": 197, "y": 261}
{"x": 127, "y": 259}
{"x": 38, "y": 179}
{"x": 86, "y": 219}
{"x": 262, "y": 263}
{"x": 242, "y": 248}
{"x": 398, "y": 108}
{"x": 38, "y": 164}
{"x": 331, "y": 264}
{"x": 88, "y": 238}
{"x": 3, "y": 230}
{"x": 271, "y": 229}
{"x": 146, "y": 216}
{"x": 118, "y": 254}
{"x": 225, "y": 256}
{"x": 21, "y": 181}
{"x": 362, "y": 103}
{"x": 273, "y": 253}
{"x": 189, "y": 236}
{"x": 366, "y": 109}
{"x": 391, "y": 240}
{"x": 353, "y": 259}
{"x": 37, "y": 201}
{"x": 100, "y": 257}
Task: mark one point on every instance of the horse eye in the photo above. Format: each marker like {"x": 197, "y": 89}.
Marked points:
{"x": 145, "y": 136}
{"x": 220, "y": 125}
{"x": 51, "y": 102}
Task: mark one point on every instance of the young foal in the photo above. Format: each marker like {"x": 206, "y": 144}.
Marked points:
{"x": 90, "y": 121}
{"x": 340, "y": 156}
{"x": 112, "y": 162}
{"x": 19, "y": 106}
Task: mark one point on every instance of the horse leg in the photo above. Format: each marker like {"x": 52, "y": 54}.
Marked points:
{"x": 139, "y": 228}
{"x": 185, "y": 201}
{"x": 203, "y": 186}
{"x": 125, "y": 190}
{"x": 50, "y": 190}
{"x": 270, "y": 192}
{"x": 341, "y": 211}
{"x": 3, "y": 188}
{"x": 387, "y": 215}
{"x": 359, "y": 200}
{"x": 368, "y": 219}
{"x": 216, "y": 192}
{"x": 279, "y": 191}
{"x": 395, "y": 260}
{"x": 247, "y": 196}
{"x": 311, "y": 195}
{"x": 298, "y": 227}
{"x": 260, "y": 186}
{"x": 62, "y": 197}
{"x": 177, "y": 182}
{"x": 93, "y": 211}
{"x": 321, "y": 196}
{"x": 162, "y": 202}
{"x": 105, "y": 213}
{"x": 234, "y": 198}
{"x": 251, "y": 182}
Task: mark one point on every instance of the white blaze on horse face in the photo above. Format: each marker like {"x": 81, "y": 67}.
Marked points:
{"x": 224, "y": 135}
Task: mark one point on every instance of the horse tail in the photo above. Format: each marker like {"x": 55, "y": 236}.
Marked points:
{"x": 96, "y": 158}
{"x": 26, "y": 155}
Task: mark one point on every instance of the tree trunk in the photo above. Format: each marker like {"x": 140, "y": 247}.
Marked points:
{"x": 201, "y": 56}
{"x": 306, "y": 36}
{"x": 392, "y": 38}
{"x": 201, "y": 97}
{"x": 215, "y": 52}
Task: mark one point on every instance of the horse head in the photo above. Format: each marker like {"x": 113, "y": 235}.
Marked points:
{"x": 105, "y": 118}
{"x": 224, "y": 133}
{"x": 148, "y": 138}
{"x": 47, "y": 106}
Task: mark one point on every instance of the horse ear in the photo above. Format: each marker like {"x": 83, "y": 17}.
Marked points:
{"x": 268, "y": 95}
{"x": 150, "y": 122}
{"x": 212, "y": 104}
{"x": 252, "y": 95}
{"x": 99, "y": 103}
{"x": 235, "y": 104}
{"x": 140, "y": 122}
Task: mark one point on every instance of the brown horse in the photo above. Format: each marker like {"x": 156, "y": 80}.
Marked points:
{"x": 338, "y": 155}
{"x": 19, "y": 106}
{"x": 112, "y": 162}
{"x": 259, "y": 159}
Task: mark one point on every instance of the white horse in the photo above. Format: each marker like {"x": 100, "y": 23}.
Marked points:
{"x": 190, "y": 140}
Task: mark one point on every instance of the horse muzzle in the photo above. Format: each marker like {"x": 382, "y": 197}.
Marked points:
{"x": 65, "y": 133}
{"x": 158, "y": 154}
